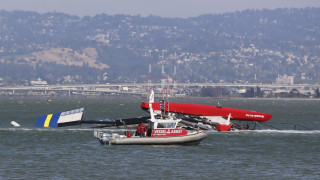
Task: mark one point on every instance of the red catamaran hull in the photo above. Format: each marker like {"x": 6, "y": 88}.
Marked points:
{"x": 208, "y": 110}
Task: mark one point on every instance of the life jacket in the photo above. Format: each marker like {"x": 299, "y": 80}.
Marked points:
{"x": 139, "y": 129}
{"x": 128, "y": 134}
{"x": 143, "y": 129}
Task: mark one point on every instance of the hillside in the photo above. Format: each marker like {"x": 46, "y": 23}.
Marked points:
{"x": 230, "y": 47}
{"x": 67, "y": 57}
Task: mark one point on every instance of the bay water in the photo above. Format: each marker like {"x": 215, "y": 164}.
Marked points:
{"x": 28, "y": 152}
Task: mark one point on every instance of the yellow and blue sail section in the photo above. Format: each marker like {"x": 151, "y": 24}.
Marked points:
{"x": 50, "y": 120}
{"x": 66, "y": 118}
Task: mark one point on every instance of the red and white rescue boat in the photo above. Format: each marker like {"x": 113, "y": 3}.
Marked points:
{"x": 160, "y": 132}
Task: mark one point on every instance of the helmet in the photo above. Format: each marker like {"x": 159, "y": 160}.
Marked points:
{"x": 141, "y": 123}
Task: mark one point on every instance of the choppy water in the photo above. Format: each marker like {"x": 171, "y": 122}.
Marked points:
{"x": 73, "y": 153}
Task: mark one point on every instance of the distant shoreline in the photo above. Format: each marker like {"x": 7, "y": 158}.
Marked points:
{"x": 179, "y": 97}
{"x": 248, "y": 98}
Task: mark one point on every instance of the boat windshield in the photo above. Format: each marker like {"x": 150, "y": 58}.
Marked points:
{"x": 166, "y": 125}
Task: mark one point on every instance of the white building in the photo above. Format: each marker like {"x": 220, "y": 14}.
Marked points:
{"x": 39, "y": 82}
{"x": 285, "y": 80}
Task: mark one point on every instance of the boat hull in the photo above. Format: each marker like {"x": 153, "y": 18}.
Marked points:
{"x": 209, "y": 110}
{"x": 190, "y": 139}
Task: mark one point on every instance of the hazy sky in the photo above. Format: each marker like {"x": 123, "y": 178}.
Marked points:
{"x": 164, "y": 8}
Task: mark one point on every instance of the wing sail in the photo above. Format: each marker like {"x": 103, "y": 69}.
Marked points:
{"x": 67, "y": 118}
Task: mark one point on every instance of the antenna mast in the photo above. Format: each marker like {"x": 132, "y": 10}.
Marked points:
{"x": 163, "y": 75}
{"x": 175, "y": 75}
{"x": 149, "y": 71}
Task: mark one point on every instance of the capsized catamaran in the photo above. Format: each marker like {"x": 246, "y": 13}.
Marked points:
{"x": 194, "y": 116}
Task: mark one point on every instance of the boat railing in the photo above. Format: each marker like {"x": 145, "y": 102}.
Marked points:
{"x": 283, "y": 126}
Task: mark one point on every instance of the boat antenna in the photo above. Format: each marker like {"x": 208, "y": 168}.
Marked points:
{"x": 124, "y": 123}
{"x": 168, "y": 104}
{"x": 151, "y": 100}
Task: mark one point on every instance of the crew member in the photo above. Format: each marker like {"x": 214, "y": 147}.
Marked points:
{"x": 141, "y": 130}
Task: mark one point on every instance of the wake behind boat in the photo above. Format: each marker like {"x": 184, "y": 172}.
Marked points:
{"x": 163, "y": 131}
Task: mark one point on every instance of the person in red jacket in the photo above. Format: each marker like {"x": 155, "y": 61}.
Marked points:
{"x": 141, "y": 130}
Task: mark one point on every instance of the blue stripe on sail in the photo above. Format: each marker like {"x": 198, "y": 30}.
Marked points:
{"x": 54, "y": 120}
{"x": 41, "y": 120}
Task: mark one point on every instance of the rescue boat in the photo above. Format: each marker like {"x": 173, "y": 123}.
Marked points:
{"x": 161, "y": 131}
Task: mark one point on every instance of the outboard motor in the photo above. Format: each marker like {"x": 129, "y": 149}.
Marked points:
{"x": 105, "y": 138}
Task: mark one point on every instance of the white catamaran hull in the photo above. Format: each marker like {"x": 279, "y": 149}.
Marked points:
{"x": 116, "y": 139}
